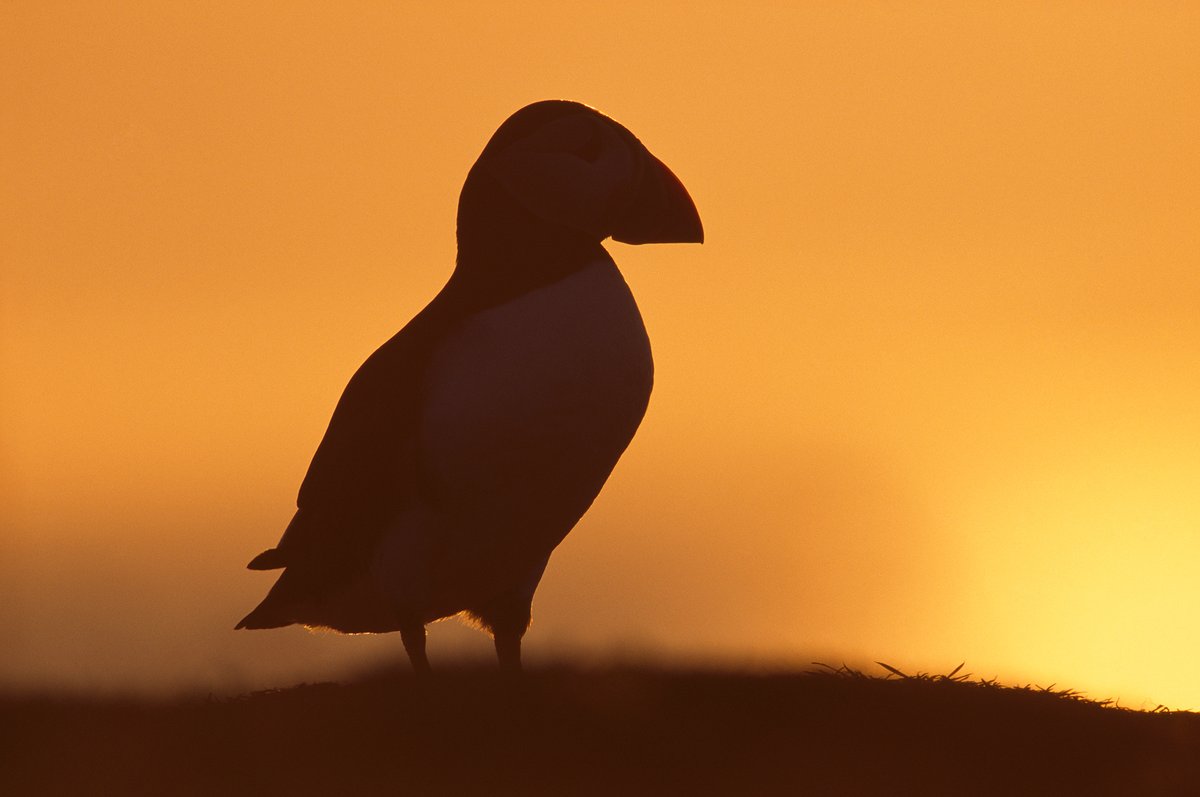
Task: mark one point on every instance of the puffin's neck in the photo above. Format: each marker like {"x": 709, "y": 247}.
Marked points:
{"x": 504, "y": 250}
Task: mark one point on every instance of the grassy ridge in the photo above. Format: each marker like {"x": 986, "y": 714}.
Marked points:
{"x": 617, "y": 731}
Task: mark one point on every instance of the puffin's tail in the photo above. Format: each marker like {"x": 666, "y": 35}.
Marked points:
{"x": 276, "y": 609}
{"x": 270, "y": 559}
{"x": 265, "y": 615}
{"x": 256, "y": 620}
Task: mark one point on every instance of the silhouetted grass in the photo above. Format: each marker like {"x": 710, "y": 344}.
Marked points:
{"x": 616, "y": 731}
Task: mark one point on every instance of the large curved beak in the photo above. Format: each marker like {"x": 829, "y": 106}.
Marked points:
{"x": 660, "y": 210}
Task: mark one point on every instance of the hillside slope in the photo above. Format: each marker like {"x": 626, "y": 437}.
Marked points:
{"x": 617, "y": 731}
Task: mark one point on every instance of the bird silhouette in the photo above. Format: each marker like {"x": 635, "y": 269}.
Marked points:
{"x": 468, "y": 445}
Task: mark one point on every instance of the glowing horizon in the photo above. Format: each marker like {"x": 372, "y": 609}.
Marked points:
{"x": 927, "y": 394}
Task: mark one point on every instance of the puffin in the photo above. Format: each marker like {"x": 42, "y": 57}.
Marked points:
{"x": 467, "y": 446}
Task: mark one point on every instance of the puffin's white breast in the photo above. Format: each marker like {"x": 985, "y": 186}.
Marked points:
{"x": 530, "y": 403}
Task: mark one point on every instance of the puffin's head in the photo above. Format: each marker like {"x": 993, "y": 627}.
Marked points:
{"x": 572, "y": 167}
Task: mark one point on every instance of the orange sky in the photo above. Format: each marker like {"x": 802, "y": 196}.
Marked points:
{"x": 929, "y": 392}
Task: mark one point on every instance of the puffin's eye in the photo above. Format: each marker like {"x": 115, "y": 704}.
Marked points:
{"x": 590, "y": 149}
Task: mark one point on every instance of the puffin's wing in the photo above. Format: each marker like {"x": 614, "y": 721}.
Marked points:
{"x": 365, "y": 469}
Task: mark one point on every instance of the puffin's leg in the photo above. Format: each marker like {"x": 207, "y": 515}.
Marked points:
{"x": 413, "y": 637}
{"x": 508, "y": 618}
{"x": 508, "y": 648}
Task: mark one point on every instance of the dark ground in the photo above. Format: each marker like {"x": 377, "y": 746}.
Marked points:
{"x": 602, "y": 732}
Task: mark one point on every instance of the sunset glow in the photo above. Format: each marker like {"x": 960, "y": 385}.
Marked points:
{"x": 928, "y": 393}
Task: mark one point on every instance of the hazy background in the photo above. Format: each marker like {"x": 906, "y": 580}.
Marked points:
{"x": 929, "y": 392}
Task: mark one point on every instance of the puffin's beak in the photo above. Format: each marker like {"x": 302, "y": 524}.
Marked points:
{"x": 660, "y": 211}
